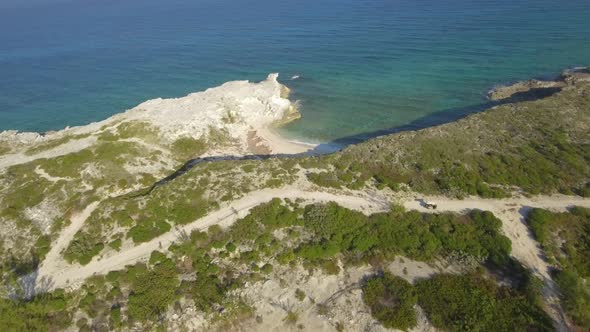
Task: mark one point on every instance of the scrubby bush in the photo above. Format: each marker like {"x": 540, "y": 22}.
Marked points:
{"x": 152, "y": 289}
{"x": 45, "y": 312}
{"x": 565, "y": 238}
{"x": 42, "y": 246}
{"x": 83, "y": 248}
{"x": 206, "y": 292}
{"x": 476, "y": 303}
{"x": 116, "y": 244}
{"x": 147, "y": 230}
{"x": 391, "y": 300}
{"x": 299, "y": 294}
{"x": 575, "y": 296}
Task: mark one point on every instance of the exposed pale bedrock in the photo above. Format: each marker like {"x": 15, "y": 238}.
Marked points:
{"x": 236, "y": 107}
{"x": 222, "y": 119}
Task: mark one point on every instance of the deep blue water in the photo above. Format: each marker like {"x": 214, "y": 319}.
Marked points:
{"x": 365, "y": 65}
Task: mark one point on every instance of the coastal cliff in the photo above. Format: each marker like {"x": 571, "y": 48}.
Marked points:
{"x": 116, "y": 225}
{"x": 235, "y": 118}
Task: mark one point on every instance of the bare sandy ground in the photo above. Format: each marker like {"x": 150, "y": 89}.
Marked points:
{"x": 340, "y": 296}
{"x": 279, "y": 145}
{"x": 54, "y": 256}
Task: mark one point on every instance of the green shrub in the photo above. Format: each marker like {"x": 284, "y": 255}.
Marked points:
{"x": 83, "y": 248}
{"x": 391, "y": 300}
{"x": 148, "y": 229}
{"x": 207, "y": 291}
{"x": 42, "y": 246}
{"x": 116, "y": 244}
{"x": 475, "y": 303}
{"x": 116, "y": 316}
{"x": 575, "y": 294}
{"x": 565, "y": 238}
{"x": 45, "y": 312}
{"x": 291, "y": 318}
{"x": 152, "y": 290}
{"x": 330, "y": 266}
{"x": 324, "y": 179}
{"x": 266, "y": 268}
{"x": 299, "y": 294}
{"x": 230, "y": 247}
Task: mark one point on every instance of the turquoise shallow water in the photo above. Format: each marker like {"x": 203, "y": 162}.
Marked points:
{"x": 365, "y": 65}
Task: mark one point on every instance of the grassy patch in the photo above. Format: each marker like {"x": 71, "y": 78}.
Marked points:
{"x": 4, "y": 150}
{"x": 188, "y": 147}
{"x": 116, "y": 244}
{"x": 138, "y": 130}
{"x": 148, "y": 229}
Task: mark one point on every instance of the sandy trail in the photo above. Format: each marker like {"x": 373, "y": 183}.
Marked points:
{"x": 54, "y": 261}
{"x": 73, "y": 146}
{"x": 524, "y": 247}
{"x": 64, "y": 274}
{"x": 511, "y": 211}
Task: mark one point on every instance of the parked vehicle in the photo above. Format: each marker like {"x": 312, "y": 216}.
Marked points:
{"x": 430, "y": 205}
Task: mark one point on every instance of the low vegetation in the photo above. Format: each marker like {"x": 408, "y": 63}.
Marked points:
{"x": 188, "y": 147}
{"x": 47, "y": 312}
{"x": 53, "y": 143}
{"x": 208, "y": 268}
{"x": 317, "y": 235}
{"x": 475, "y": 303}
{"x": 146, "y": 214}
{"x": 392, "y": 301}
{"x": 152, "y": 289}
{"x": 565, "y": 238}
{"x": 4, "y": 149}
{"x": 538, "y": 146}
{"x": 470, "y": 302}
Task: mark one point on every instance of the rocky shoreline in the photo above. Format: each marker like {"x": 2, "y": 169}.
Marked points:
{"x": 237, "y": 113}
{"x": 522, "y": 88}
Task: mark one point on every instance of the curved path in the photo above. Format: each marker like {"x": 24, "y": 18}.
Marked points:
{"x": 63, "y": 274}
{"x": 511, "y": 211}
{"x": 525, "y": 248}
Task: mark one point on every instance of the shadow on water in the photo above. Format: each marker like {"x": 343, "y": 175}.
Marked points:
{"x": 434, "y": 119}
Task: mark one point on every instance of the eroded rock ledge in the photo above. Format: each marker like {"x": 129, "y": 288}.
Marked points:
{"x": 532, "y": 87}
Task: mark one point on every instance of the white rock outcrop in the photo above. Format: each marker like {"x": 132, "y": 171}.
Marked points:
{"x": 235, "y": 106}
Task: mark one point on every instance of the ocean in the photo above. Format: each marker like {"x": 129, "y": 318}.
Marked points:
{"x": 363, "y": 65}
